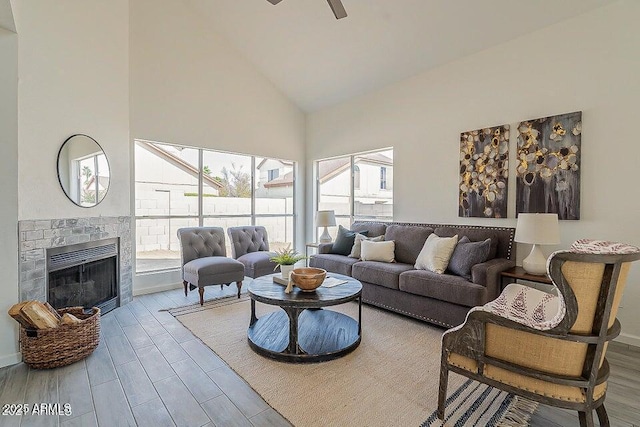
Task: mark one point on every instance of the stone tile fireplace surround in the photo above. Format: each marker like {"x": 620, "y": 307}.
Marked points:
{"x": 36, "y": 236}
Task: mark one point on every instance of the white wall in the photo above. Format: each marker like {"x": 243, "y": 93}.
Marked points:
{"x": 190, "y": 87}
{"x": 9, "y": 191}
{"x": 71, "y": 60}
{"x": 588, "y": 63}
{"x": 74, "y": 78}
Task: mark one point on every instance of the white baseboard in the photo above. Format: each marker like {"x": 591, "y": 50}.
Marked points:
{"x": 154, "y": 289}
{"x": 629, "y": 339}
{"x": 10, "y": 359}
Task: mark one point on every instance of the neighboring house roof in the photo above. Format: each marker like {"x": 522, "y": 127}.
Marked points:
{"x": 103, "y": 182}
{"x": 281, "y": 181}
{"x": 284, "y": 162}
{"x": 178, "y": 162}
{"x": 330, "y": 168}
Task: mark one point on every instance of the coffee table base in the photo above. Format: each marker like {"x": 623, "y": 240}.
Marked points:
{"x": 320, "y": 335}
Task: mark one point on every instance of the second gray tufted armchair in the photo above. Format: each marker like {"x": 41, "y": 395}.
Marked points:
{"x": 250, "y": 246}
{"x": 204, "y": 260}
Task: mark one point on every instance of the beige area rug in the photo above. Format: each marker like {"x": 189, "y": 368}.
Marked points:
{"x": 391, "y": 379}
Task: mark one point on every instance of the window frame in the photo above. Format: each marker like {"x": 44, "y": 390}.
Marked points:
{"x": 201, "y": 217}
{"x": 317, "y": 191}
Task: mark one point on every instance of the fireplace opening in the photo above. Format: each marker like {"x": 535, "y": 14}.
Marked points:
{"x": 84, "y": 275}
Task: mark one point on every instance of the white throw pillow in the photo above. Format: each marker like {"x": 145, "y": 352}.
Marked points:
{"x": 436, "y": 253}
{"x": 378, "y": 251}
{"x": 357, "y": 244}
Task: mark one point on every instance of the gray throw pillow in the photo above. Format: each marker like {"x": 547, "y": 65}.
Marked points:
{"x": 467, "y": 254}
{"x": 344, "y": 241}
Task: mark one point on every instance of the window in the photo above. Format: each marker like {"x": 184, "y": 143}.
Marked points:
{"x": 351, "y": 186}
{"x": 93, "y": 179}
{"x": 189, "y": 187}
{"x": 273, "y": 174}
{"x": 383, "y": 178}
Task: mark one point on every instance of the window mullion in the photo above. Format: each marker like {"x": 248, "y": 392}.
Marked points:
{"x": 200, "y": 188}
{"x": 253, "y": 190}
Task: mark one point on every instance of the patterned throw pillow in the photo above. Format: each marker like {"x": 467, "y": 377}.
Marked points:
{"x": 467, "y": 254}
{"x": 344, "y": 241}
{"x": 357, "y": 244}
{"x": 435, "y": 253}
{"x": 601, "y": 247}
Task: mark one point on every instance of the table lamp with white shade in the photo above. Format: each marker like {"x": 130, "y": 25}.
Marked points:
{"x": 537, "y": 229}
{"x": 325, "y": 219}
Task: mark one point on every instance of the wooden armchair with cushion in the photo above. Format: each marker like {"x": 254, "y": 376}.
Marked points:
{"x": 546, "y": 347}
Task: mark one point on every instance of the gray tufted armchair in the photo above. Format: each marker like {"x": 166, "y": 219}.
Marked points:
{"x": 204, "y": 260}
{"x": 250, "y": 246}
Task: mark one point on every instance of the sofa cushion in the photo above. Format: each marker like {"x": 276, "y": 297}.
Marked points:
{"x": 444, "y": 287}
{"x": 409, "y": 241}
{"x": 344, "y": 241}
{"x": 474, "y": 234}
{"x": 374, "y": 228}
{"x": 378, "y": 251}
{"x": 334, "y": 263}
{"x": 356, "y": 250}
{"x": 467, "y": 254}
{"x": 436, "y": 253}
{"x": 380, "y": 273}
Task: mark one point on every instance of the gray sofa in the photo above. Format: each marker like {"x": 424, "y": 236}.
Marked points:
{"x": 441, "y": 299}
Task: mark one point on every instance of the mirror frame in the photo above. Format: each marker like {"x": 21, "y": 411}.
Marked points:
{"x": 64, "y": 190}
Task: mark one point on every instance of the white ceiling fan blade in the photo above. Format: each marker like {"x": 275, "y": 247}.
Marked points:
{"x": 274, "y": 1}
{"x": 337, "y": 8}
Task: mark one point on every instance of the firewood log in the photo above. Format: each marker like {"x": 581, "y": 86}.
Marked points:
{"x": 53, "y": 311}
{"x": 69, "y": 319}
{"x": 38, "y": 315}
{"x": 14, "y": 312}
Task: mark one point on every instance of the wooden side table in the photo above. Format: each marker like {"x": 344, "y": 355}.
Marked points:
{"x": 518, "y": 273}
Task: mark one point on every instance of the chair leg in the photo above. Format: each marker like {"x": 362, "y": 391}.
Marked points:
{"x": 442, "y": 389}
{"x": 186, "y": 287}
{"x": 201, "y": 292}
{"x": 586, "y": 418}
{"x": 603, "y": 418}
{"x": 239, "y": 285}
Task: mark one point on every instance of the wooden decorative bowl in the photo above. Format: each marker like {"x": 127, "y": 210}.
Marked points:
{"x": 308, "y": 279}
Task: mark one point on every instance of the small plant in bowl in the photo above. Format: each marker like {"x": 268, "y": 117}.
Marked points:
{"x": 285, "y": 259}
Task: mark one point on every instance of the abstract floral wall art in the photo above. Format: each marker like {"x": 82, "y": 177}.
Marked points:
{"x": 548, "y": 165}
{"x": 484, "y": 172}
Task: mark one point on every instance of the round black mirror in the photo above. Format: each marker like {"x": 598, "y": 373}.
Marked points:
{"x": 83, "y": 170}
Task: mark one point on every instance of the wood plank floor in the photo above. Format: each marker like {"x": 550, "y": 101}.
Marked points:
{"x": 151, "y": 371}
{"x": 148, "y": 370}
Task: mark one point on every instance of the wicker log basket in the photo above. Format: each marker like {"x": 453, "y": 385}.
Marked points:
{"x": 64, "y": 345}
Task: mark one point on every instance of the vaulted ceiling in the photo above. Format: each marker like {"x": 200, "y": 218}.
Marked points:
{"x": 318, "y": 61}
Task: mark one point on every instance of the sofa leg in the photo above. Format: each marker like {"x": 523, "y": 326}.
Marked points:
{"x": 442, "y": 389}
{"x": 201, "y": 292}
{"x": 186, "y": 287}
{"x": 239, "y": 285}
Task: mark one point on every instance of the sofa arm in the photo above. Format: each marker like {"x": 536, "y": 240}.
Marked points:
{"x": 487, "y": 274}
{"x": 325, "y": 248}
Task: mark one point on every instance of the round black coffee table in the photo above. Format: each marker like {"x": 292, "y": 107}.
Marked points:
{"x": 303, "y": 331}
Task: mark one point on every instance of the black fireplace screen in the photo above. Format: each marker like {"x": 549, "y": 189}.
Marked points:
{"x": 84, "y": 275}
{"x": 86, "y": 285}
